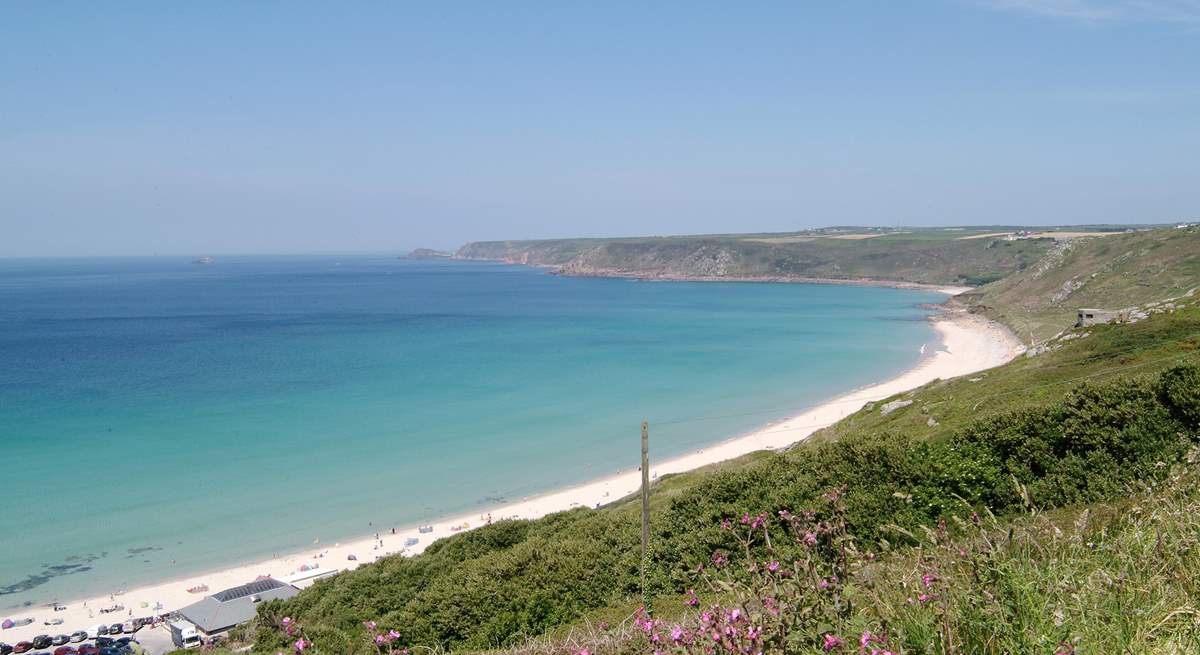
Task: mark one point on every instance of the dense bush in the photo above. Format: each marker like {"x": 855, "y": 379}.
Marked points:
{"x": 498, "y": 585}
{"x": 1119, "y": 579}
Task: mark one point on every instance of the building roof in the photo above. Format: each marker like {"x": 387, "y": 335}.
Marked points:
{"x": 225, "y": 609}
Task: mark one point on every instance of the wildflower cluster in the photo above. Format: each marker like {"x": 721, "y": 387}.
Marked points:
{"x": 385, "y": 642}
{"x": 292, "y": 630}
{"x": 775, "y": 605}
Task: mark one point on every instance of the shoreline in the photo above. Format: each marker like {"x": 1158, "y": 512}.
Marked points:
{"x": 967, "y": 343}
{"x": 612, "y": 273}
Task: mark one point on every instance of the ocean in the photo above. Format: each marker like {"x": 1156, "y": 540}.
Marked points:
{"x": 160, "y": 418}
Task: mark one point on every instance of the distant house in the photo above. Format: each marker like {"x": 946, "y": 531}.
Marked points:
{"x": 217, "y": 614}
{"x": 1088, "y": 317}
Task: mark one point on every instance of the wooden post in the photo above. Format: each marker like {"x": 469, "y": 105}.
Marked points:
{"x": 645, "y": 505}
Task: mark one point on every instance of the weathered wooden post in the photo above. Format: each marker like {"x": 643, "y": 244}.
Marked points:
{"x": 645, "y": 510}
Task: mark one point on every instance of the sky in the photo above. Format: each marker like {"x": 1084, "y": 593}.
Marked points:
{"x": 140, "y": 128}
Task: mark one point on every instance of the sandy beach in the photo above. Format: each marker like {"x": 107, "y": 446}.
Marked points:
{"x": 967, "y": 344}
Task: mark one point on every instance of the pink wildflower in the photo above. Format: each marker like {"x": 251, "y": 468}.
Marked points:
{"x": 301, "y": 645}
{"x": 832, "y": 641}
{"x": 773, "y": 566}
{"x": 371, "y": 625}
{"x": 928, "y": 579}
{"x": 866, "y": 639}
{"x": 691, "y": 601}
{"x": 810, "y": 538}
{"x": 393, "y": 635}
{"x": 676, "y": 633}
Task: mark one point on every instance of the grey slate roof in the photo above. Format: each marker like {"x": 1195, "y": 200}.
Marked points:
{"x": 225, "y": 609}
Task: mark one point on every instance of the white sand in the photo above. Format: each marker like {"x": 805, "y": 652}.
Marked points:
{"x": 968, "y": 344}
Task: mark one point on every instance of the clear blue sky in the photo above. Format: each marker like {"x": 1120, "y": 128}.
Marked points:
{"x": 218, "y": 127}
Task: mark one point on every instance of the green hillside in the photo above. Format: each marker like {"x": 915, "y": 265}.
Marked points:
{"x": 929, "y": 256}
{"x": 1110, "y": 272}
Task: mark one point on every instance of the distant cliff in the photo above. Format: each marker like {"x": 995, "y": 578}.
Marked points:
{"x": 427, "y": 253}
{"x": 939, "y": 257}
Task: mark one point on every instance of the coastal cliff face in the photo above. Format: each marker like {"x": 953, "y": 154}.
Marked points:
{"x": 906, "y": 257}
{"x": 1112, "y": 272}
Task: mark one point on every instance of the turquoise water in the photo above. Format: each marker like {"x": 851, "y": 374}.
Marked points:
{"x": 154, "y": 410}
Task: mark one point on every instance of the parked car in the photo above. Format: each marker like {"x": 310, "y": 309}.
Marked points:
{"x": 77, "y": 637}
{"x": 5, "y": 649}
{"x": 65, "y": 650}
{"x": 88, "y": 649}
{"x": 42, "y": 641}
{"x": 59, "y": 640}
{"x": 101, "y": 642}
{"x": 22, "y": 647}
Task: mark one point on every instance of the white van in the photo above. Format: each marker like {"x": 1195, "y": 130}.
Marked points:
{"x": 185, "y": 635}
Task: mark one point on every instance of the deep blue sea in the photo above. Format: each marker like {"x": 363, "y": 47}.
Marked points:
{"x": 152, "y": 409}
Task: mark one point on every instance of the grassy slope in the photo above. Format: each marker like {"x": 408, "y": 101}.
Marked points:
{"x": 1111, "y": 272}
{"x": 922, "y": 256}
{"x": 1116, "y": 577}
{"x": 1108, "y": 351}
{"x": 469, "y": 579}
